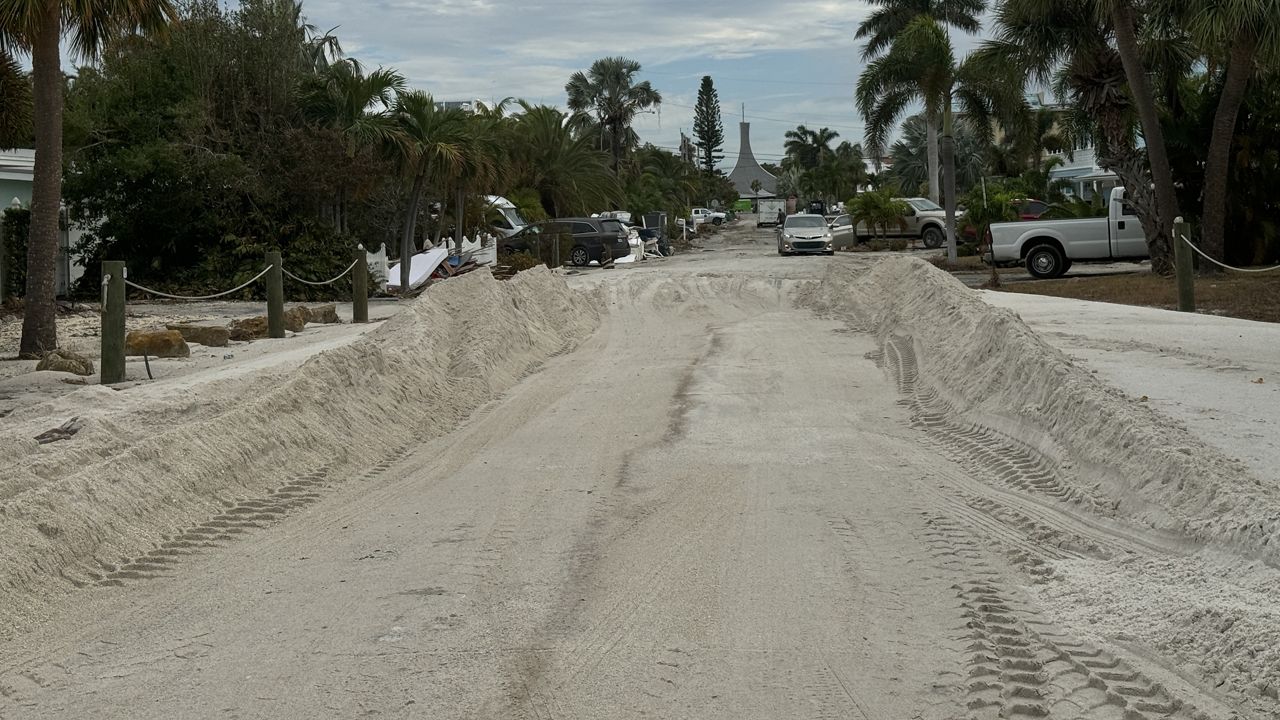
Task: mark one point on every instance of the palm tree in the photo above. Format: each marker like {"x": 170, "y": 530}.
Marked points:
{"x": 807, "y": 148}
{"x": 551, "y": 153}
{"x": 1124, "y": 22}
{"x": 38, "y": 27}
{"x": 608, "y": 92}
{"x": 921, "y": 67}
{"x": 877, "y": 210}
{"x": 1245, "y": 33}
{"x": 431, "y": 140}
{"x": 910, "y": 170}
{"x": 1068, "y": 43}
{"x": 356, "y": 106}
{"x": 15, "y": 103}
{"x": 891, "y": 18}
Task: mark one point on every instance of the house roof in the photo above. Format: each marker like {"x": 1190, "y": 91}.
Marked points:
{"x": 17, "y": 164}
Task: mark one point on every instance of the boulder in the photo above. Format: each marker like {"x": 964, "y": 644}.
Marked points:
{"x": 295, "y": 319}
{"x": 66, "y": 361}
{"x": 256, "y": 328}
{"x": 323, "y": 314}
{"x": 248, "y": 329}
{"x": 156, "y": 343}
{"x": 207, "y": 335}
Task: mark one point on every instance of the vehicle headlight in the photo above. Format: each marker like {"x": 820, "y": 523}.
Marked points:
{"x": 787, "y": 235}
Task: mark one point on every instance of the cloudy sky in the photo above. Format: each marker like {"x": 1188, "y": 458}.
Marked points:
{"x": 790, "y": 63}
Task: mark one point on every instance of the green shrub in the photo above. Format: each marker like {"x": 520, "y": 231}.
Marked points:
{"x": 898, "y": 244}
{"x": 878, "y": 245}
{"x": 13, "y": 243}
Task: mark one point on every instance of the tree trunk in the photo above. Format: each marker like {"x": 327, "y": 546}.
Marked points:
{"x": 1218, "y": 162}
{"x": 1125, "y": 25}
{"x": 410, "y": 228}
{"x": 934, "y": 159}
{"x": 949, "y": 179}
{"x": 458, "y": 224}
{"x": 39, "y": 323}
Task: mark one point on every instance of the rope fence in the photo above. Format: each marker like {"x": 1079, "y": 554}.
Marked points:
{"x": 322, "y": 282}
{"x": 115, "y": 282}
{"x": 148, "y": 290}
{"x": 1202, "y": 254}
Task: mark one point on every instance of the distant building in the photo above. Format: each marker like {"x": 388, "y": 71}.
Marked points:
{"x": 463, "y": 105}
{"x": 16, "y": 171}
{"x": 15, "y": 176}
{"x": 748, "y": 170}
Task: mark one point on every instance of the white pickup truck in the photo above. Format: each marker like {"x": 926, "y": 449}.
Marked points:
{"x": 704, "y": 215}
{"x": 1049, "y": 247}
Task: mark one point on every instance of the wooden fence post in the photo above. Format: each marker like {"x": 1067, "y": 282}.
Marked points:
{"x": 360, "y": 287}
{"x": 111, "y": 365}
{"x": 1183, "y": 267}
{"x": 275, "y": 296}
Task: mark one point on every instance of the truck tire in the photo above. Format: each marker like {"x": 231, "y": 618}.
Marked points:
{"x": 1045, "y": 262}
{"x": 933, "y": 237}
{"x": 717, "y": 221}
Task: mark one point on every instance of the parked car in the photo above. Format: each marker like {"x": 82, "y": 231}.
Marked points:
{"x": 925, "y": 219}
{"x": 842, "y": 230}
{"x": 704, "y": 215}
{"x": 1048, "y": 248}
{"x": 805, "y": 233}
{"x": 585, "y": 239}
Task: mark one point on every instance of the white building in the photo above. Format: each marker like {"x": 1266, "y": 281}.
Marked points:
{"x": 16, "y": 168}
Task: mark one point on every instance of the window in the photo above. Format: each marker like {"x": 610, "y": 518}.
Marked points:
{"x": 806, "y": 221}
{"x": 612, "y": 227}
{"x": 924, "y": 205}
{"x": 581, "y": 228}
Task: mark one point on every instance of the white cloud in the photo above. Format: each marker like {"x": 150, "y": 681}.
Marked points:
{"x": 491, "y": 49}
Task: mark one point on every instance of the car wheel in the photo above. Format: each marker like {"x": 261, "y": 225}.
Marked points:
{"x": 717, "y": 221}
{"x": 933, "y": 237}
{"x": 829, "y": 252}
{"x": 1045, "y": 262}
{"x": 579, "y": 256}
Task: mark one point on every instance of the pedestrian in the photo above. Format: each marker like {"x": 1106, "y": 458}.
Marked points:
{"x": 782, "y": 216}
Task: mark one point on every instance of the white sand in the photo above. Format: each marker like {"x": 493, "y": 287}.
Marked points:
{"x": 165, "y": 454}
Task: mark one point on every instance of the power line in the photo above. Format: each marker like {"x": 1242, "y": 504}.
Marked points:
{"x": 848, "y": 85}
{"x": 766, "y": 118}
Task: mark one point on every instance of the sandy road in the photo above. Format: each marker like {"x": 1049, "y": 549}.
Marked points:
{"x": 717, "y": 507}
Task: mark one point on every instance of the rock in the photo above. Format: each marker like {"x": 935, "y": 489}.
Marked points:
{"x": 156, "y": 343}
{"x": 66, "y": 361}
{"x": 295, "y": 319}
{"x": 255, "y": 328}
{"x": 248, "y": 328}
{"x": 207, "y": 335}
{"x": 323, "y": 314}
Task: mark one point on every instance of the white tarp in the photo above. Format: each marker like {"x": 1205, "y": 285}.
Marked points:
{"x": 420, "y": 268}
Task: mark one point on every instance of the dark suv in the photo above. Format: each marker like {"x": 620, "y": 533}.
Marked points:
{"x": 581, "y": 239}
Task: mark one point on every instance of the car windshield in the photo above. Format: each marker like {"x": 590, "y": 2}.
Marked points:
{"x": 924, "y": 205}
{"x": 806, "y": 221}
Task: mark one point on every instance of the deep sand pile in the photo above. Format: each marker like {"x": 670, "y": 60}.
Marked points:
{"x": 1214, "y": 607}
{"x": 986, "y": 368}
{"x": 140, "y": 466}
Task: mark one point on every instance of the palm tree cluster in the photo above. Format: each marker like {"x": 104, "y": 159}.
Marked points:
{"x": 812, "y": 168}
{"x": 1126, "y": 72}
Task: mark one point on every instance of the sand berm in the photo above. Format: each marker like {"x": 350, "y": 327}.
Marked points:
{"x": 70, "y": 511}
{"x": 982, "y": 373}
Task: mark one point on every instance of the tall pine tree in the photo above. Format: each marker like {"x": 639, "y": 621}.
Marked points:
{"x": 707, "y": 127}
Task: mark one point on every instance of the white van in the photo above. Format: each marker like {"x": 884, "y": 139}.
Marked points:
{"x": 505, "y": 219}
